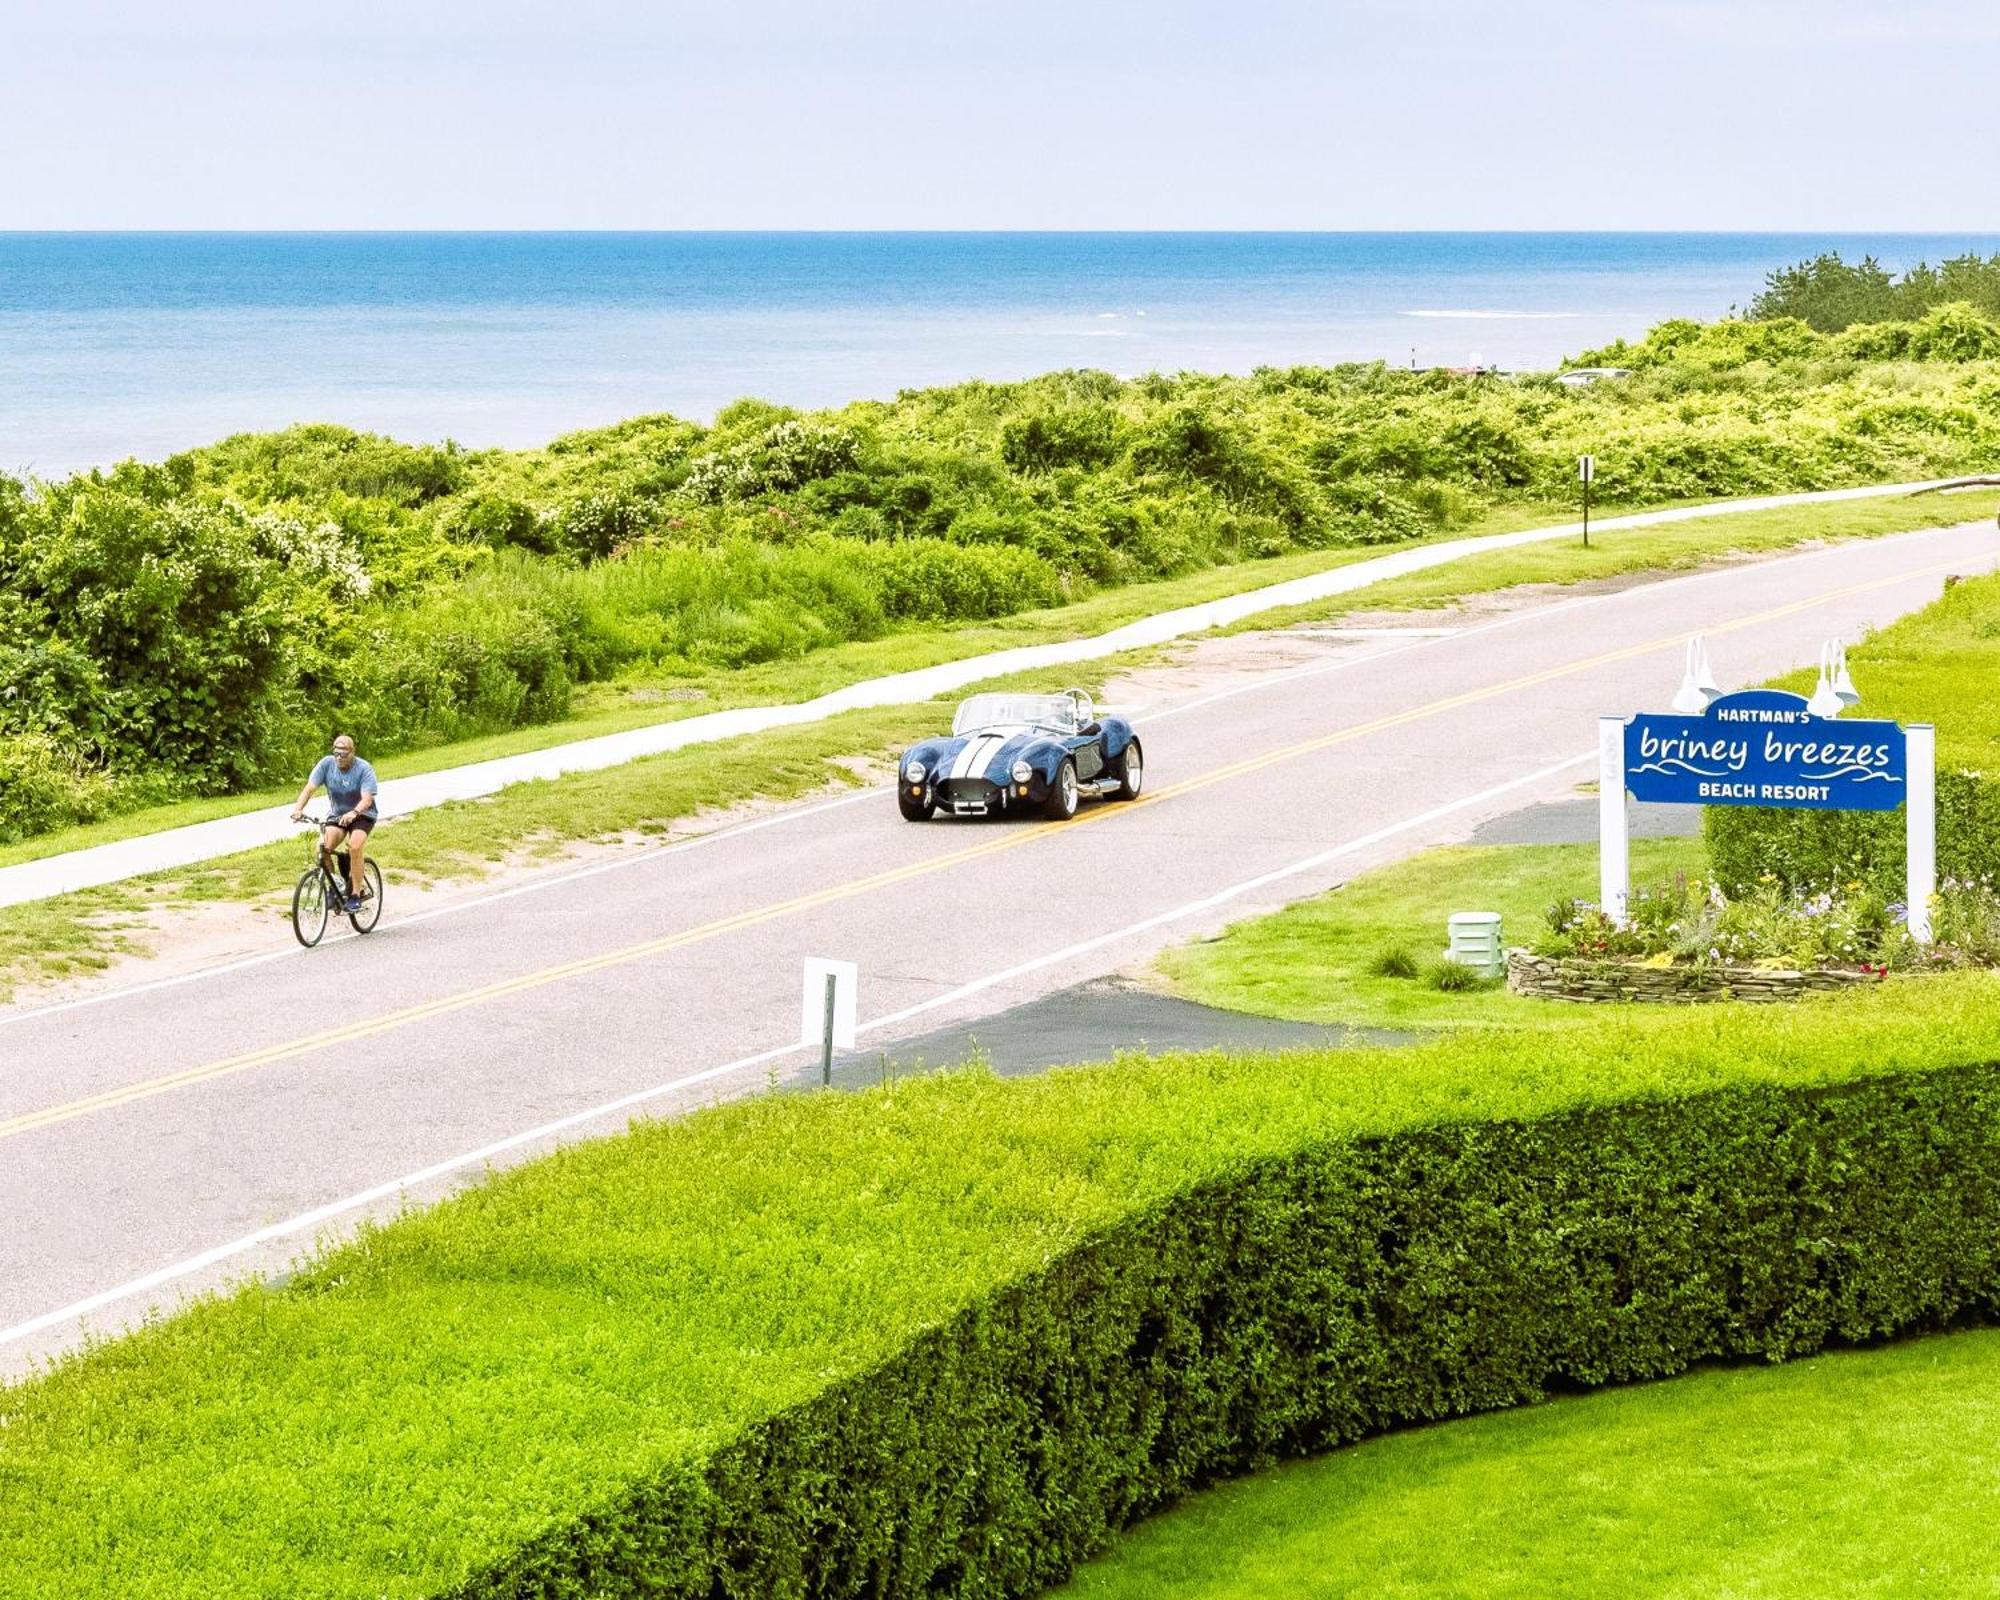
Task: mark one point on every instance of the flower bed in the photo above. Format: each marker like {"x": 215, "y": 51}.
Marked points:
{"x": 1689, "y": 936}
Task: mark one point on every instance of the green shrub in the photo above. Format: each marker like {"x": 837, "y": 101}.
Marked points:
{"x": 1821, "y": 849}
{"x": 308, "y": 464}
{"x": 1453, "y": 977}
{"x": 1394, "y": 962}
{"x": 146, "y": 626}
{"x": 1075, "y": 436}
{"x": 1955, "y": 333}
{"x": 501, "y": 649}
{"x": 44, "y": 787}
{"x": 788, "y": 455}
{"x": 933, "y": 580}
{"x": 946, "y": 1339}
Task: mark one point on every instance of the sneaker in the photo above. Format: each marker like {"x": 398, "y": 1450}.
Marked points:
{"x": 353, "y": 904}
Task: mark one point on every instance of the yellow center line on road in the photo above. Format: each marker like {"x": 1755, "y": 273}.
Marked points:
{"x": 445, "y": 1005}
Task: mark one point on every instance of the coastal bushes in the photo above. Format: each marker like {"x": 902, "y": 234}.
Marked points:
{"x": 946, "y": 1337}
{"x": 234, "y": 604}
{"x": 1952, "y": 333}
{"x": 1830, "y": 294}
{"x": 148, "y": 628}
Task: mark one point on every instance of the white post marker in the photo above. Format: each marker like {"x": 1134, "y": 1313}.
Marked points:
{"x": 1614, "y": 849}
{"x": 828, "y": 1007}
{"x": 1920, "y": 825}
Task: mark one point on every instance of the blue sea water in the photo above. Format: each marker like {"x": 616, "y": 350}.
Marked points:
{"x": 115, "y": 345}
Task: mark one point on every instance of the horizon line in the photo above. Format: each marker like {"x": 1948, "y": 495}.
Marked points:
{"x": 1845, "y": 230}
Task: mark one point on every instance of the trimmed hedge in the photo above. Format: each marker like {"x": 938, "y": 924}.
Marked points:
{"x": 1938, "y": 665}
{"x": 946, "y": 1339}
{"x": 1313, "y": 1300}
{"x": 1818, "y": 849}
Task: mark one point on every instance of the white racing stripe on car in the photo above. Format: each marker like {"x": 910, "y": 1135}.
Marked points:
{"x": 977, "y": 752}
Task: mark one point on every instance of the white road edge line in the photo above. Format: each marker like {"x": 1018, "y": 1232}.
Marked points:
{"x": 1255, "y": 685}
{"x": 308, "y": 1220}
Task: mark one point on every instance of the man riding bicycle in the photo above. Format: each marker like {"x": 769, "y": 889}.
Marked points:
{"x": 350, "y": 789}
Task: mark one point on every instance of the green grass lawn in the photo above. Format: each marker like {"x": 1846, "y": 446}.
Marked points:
{"x": 1315, "y": 961}
{"x": 1867, "y": 1472}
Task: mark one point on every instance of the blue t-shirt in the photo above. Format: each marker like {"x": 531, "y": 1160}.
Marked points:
{"x": 344, "y": 788}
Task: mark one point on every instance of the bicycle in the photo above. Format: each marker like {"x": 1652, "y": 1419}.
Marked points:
{"x": 323, "y": 886}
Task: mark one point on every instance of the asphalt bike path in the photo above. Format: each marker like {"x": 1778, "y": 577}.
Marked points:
{"x": 157, "y": 1142}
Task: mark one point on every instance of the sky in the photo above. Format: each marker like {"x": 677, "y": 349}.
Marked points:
{"x": 1589, "y": 114}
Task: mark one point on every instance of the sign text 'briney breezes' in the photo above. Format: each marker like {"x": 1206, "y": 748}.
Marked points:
{"x": 1763, "y": 747}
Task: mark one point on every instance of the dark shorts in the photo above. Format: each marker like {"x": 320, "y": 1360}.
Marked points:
{"x": 362, "y": 824}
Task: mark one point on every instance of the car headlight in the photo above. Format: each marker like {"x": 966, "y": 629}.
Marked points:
{"x": 914, "y": 772}
{"x": 1023, "y": 772}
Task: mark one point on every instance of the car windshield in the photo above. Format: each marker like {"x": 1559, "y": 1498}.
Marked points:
{"x": 1053, "y": 711}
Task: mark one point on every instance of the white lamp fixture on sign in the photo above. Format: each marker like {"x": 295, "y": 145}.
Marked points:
{"x": 1698, "y": 685}
{"x": 1827, "y": 699}
{"x": 1843, "y": 685}
{"x": 1704, "y": 675}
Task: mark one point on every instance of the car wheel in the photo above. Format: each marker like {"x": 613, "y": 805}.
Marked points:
{"x": 915, "y": 808}
{"x": 1131, "y": 772}
{"x": 1061, "y": 803}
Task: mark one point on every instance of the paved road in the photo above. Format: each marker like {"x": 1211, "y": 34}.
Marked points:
{"x": 161, "y": 1142}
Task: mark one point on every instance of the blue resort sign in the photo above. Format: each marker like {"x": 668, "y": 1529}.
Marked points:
{"x": 1763, "y": 747}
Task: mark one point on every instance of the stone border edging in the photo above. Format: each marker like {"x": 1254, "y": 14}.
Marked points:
{"x": 204, "y": 841}
{"x": 1626, "y": 982}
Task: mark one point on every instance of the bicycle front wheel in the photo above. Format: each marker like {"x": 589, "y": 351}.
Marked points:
{"x": 370, "y": 913}
{"x": 309, "y": 908}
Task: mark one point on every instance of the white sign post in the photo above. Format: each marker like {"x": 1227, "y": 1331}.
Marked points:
{"x": 1920, "y": 827}
{"x": 1614, "y": 855}
{"x": 1586, "y": 471}
{"x": 827, "y": 1009}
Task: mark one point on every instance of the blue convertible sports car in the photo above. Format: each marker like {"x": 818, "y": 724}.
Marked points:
{"x": 1008, "y": 752}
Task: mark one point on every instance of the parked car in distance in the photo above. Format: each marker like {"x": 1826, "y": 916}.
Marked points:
{"x": 1584, "y": 377}
{"x": 1011, "y": 752}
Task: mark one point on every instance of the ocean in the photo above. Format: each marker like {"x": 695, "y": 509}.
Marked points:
{"x": 139, "y": 344}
